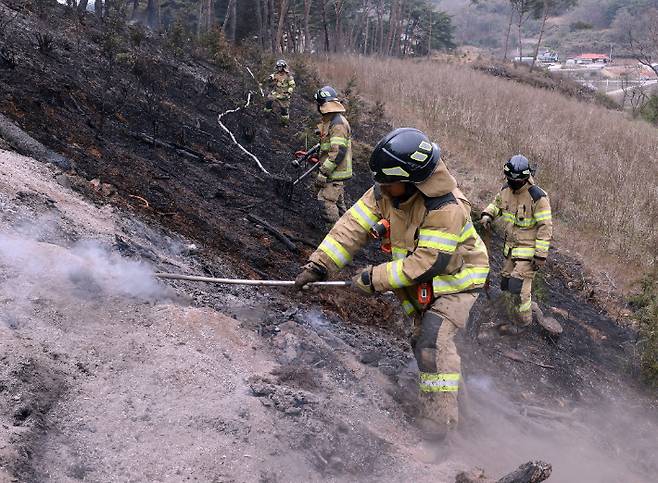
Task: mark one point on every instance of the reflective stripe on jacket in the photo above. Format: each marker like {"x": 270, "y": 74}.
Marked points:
{"x": 335, "y": 147}
{"x": 432, "y": 240}
{"x": 283, "y": 84}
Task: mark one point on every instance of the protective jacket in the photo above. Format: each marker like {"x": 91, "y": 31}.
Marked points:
{"x": 431, "y": 235}
{"x": 528, "y": 220}
{"x": 283, "y": 84}
{"x": 335, "y": 145}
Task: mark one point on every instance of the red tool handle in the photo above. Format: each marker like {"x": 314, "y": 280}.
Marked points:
{"x": 425, "y": 293}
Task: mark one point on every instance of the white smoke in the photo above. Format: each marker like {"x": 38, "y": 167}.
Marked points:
{"x": 86, "y": 270}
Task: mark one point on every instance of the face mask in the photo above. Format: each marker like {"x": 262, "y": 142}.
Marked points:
{"x": 516, "y": 184}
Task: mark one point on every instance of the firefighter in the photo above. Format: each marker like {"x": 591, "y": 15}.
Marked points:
{"x": 282, "y": 85}
{"x": 439, "y": 263}
{"x": 526, "y": 212}
{"x": 335, "y": 155}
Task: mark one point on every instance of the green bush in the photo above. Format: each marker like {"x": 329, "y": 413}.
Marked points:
{"x": 645, "y": 305}
{"x": 650, "y": 110}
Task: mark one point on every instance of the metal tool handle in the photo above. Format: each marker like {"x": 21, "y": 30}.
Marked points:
{"x": 238, "y": 281}
{"x": 306, "y": 173}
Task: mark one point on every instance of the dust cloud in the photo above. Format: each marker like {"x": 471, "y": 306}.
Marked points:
{"x": 30, "y": 268}
{"x": 609, "y": 442}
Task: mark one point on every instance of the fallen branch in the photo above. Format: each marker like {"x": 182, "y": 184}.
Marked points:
{"x": 235, "y": 141}
{"x": 146, "y": 203}
{"x": 518, "y": 357}
{"x": 252, "y": 75}
{"x": 269, "y": 228}
{"x": 536, "y": 411}
{"x": 530, "y": 472}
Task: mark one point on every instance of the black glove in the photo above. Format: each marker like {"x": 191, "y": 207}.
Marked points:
{"x": 538, "y": 263}
{"x": 362, "y": 282}
{"x": 312, "y": 272}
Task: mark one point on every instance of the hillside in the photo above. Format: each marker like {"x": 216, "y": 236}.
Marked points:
{"x": 590, "y": 26}
{"x": 110, "y": 375}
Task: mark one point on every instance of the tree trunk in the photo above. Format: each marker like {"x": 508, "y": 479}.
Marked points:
{"x": 429, "y": 37}
{"x": 520, "y": 39}
{"x": 283, "y": 12}
{"x": 228, "y": 20}
{"x": 392, "y": 23}
{"x": 259, "y": 22}
{"x": 307, "y": 31}
{"x": 509, "y": 31}
{"x": 366, "y": 33}
{"x": 98, "y": 8}
{"x": 541, "y": 35}
{"x": 82, "y": 6}
{"x": 153, "y": 14}
{"x": 325, "y": 25}
{"x": 338, "y": 37}
{"x": 270, "y": 24}
{"x": 380, "y": 26}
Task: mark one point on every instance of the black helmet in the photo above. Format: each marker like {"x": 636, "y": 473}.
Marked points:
{"x": 406, "y": 155}
{"x": 326, "y": 94}
{"x": 518, "y": 168}
{"x": 281, "y": 64}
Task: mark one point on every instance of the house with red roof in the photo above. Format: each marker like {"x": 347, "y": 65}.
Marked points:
{"x": 592, "y": 59}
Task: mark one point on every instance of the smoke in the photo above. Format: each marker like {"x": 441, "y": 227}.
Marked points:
{"x": 609, "y": 442}
{"x": 84, "y": 271}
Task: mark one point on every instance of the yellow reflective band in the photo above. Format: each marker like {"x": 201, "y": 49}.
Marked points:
{"x": 325, "y": 146}
{"x": 542, "y": 245}
{"x": 396, "y": 276}
{"x": 335, "y": 251}
{"x": 341, "y": 174}
{"x": 399, "y": 253}
{"x": 470, "y": 277}
{"x": 493, "y": 210}
{"x": 441, "y": 240}
{"x": 339, "y": 141}
{"x": 467, "y": 232}
{"x": 425, "y": 146}
{"x": 448, "y": 382}
{"x": 543, "y": 215}
{"x": 523, "y": 252}
{"x": 329, "y": 165}
{"x": 408, "y": 307}
{"x": 396, "y": 171}
{"x": 528, "y": 222}
{"x": 418, "y": 156}
{"x": 506, "y": 249}
{"x": 525, "y": 307}
{"x": 363, "y": 215}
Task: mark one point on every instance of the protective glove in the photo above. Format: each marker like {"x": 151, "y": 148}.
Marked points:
{"x": 311, "y": 272}
{"x": 538, "y": 263}
{"x": 321, "y": 181}
{"x": 485, "y": 221}
{"x": 362, "y": 282}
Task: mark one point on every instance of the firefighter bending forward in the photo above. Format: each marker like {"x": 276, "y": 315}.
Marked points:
{"x": 335, "y": 154}
{"x": 526, "y": 213}
{"x": 432, "y": 241}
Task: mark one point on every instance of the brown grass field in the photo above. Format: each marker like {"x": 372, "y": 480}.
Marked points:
{"x": 599, "y": 167}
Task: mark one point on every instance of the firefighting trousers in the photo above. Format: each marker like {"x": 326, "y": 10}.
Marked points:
{"x": 332, "y": 201}
{"x": 517, "y": 277}
{"x": 438, "y": 359}
{"x": 282, "y": 102}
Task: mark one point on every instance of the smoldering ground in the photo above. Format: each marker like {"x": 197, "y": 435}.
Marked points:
{"x": 32, "y": 271}
{"x": 605, "y": 441}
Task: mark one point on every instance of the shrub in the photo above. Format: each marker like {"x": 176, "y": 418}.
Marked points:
{"x": 645, "y": 305}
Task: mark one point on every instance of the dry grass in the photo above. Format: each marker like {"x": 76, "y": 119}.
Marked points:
{"x": 599, "y": 167}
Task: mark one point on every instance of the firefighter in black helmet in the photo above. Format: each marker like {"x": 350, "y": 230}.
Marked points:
{"x": 335, "y": 154}
{"x": 526, "y": 214}
{"x": 282, "y": 85}
{"x": 438, "y": 261}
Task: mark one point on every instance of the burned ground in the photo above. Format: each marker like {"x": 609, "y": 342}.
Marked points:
{"x": 281, "y": 386}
